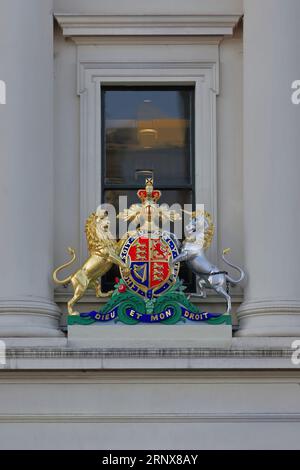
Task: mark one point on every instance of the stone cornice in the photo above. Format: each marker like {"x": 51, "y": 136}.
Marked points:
{"x": 151, "y": 418}
{"x": 247, "y": 358}
{"x": 147, "y": 353}
{"x": 147, "y": 25}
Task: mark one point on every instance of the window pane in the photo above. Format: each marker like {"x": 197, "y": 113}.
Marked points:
{"x": 147, "y": 129}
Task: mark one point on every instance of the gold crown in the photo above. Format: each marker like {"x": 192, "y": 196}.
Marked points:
{"x": 149, "y": 193}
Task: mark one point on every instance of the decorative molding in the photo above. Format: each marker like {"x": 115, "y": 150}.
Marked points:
{"x": 152, "y": 418}
{"x": 190, "y": 363}
{"x": 270, "y": 306}
{"x": 147, "y": 353}
{"x": 171, "y": 376}
{"x": 24, "y": 305}
{"x": 265, "y": 318}
{"x": 29, "y": 316}
{"x": 146, "y": 40}
{"x": 147, "y": 25}
{"x": 147, "y": 72}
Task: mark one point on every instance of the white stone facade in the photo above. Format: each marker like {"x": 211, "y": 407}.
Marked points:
{"x": 242, "y": 57}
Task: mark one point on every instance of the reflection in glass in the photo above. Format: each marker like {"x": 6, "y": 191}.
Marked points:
{"x": 147, "y": 129}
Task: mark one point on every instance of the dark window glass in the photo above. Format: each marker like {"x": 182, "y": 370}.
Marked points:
{"x": 148, "y": 129}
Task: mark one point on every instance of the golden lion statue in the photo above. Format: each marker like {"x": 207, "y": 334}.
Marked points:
{"x": 103, "y": 251}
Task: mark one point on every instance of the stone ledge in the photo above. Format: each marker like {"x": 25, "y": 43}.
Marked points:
{"x": 244, "y": 354}
{"x": 144, "y": 353}
{"x": 139, "y": 359}
{"x": 151, "y": 418}
{"x": 147, "y": 25}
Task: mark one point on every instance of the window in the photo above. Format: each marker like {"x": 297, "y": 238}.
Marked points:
{"x": 148, "y": 129}
{"x": 163, "y": 65}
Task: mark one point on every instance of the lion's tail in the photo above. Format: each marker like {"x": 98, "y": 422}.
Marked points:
{"x": 63, "y": 266}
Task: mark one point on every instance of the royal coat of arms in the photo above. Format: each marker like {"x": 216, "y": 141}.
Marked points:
{"x": 149, "y": 289}
{"x": 149, "y": 257}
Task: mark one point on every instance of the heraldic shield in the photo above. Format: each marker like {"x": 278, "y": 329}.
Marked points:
{"x": 149, "y": 258}
{"x": 149, "y": 289}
